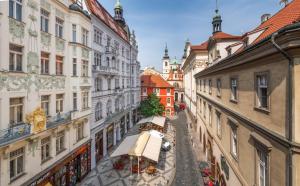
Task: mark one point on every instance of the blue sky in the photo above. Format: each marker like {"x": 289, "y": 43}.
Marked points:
{"x": 157, "y": 22}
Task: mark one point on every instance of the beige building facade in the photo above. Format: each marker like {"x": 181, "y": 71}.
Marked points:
{"x": 247, "y": 107}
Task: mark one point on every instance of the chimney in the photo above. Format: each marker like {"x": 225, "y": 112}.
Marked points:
{"x": 265, "y": 17}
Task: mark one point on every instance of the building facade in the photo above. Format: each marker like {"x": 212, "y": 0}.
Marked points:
{"x": 44, "y": 92}
{"x": 247, "y": 105}
{"x": 195, "y": 59}
{"x": 155, "y": 84}
{"x": 116, "y": 84}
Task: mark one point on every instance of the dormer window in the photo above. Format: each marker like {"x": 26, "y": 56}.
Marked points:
{"x": 229, "y": 51}
{"x": 79, "y": 2}
{"x": 246, "y": 41}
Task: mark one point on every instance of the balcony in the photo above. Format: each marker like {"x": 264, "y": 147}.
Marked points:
{"x": 14, "y": 133}
{"x": 110, "y": 50}
{"x": 103, "y": 93}
{"x": 58, "y": 120}
{"x": 105, "y": 70}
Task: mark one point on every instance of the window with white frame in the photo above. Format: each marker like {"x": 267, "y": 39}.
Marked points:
{"x": 218, "y": 87}
{"x": 16, "y": 107}
{"x": 59, "y": 27}
{"x": 60, "y": 142}
{"x": 97, "y": 36}
{"x": 97, "y": 58}
{"x": 16, "y": 163}
{"x": 84, "y": 68}
{"x": 84, "y": 37}
{"x": 233, "y": 87}
{"x": 123, "y": 51}
{"x": 218, "y": 123}
{"x": 45, "y": 104}
{"x": 108, "y": 108}
{"x": 210, "y": 115}
{"x": 210, "y": 86}
{"x": 117, "y": 83}
{"x": 108, "y": 41}
{"x": 168, "y": 90}
{"x": 45, "y": 149}
{"x": 80, "y": 131}
{"x": 74, "y": 67}
{"x": 45, "y": 20}
{"x": 59, "y": 65}
{"x": 75, "y": 101}
{"x": 15, "y": 9}
{"x": 234, "y": 141}
{"x": 204, "y": 109}
{"x": 156, "y": 91}
{"x": 15, "y": 58}
{"x": 44, "y": 63}
{"x": 59, "y": 103}
{"x": 74, "y": 33}
{"x": 262, "y": 167}
{"x": 204, "y": 85}
{"x": 168, "y": 100}
{"x": 98, "y": 111}
{"x": 85, "y": 99}
{"x": 98, "y": 84}
{"x": 262, "y": 91}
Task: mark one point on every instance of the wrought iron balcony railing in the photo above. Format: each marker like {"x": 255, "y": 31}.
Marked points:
{"x": 14, "y": 133}
{"x": 60, "y": 118}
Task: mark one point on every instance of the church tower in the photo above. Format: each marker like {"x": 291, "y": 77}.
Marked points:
{"x": 166, "y": 63}
{"x": 217, "y": 20}
{"x": 119, "y": 14}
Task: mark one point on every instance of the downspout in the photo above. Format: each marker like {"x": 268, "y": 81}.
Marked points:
{"x": 290, "y": 106}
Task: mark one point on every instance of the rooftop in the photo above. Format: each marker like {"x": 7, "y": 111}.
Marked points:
{"x": 154, "y": 81}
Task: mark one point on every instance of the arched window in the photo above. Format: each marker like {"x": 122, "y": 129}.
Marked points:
{"x": 108, "y": 108}
{"x": 107, "y": 62}
{"x": 98, "y": 111}
{"x": 113, "y": 60}
{"x": 98, "y": 84}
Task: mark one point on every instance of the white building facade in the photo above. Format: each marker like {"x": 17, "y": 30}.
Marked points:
{"x": 116, "y": 82}
{"x": 45, "y": 92}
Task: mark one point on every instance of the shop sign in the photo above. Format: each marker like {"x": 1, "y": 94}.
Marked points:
{"x": 225, "y": 167}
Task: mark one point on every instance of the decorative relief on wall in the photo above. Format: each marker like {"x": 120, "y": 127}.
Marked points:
{"x": 54, "y": 82}
{"x": 17, "y": 29}
{"x": 33, "y": 5}
{"x": 85, "y": 53}
{"x": 46, "y": 39}
{"x": 60, "y": 44}
{"x": 59, "y": 13}
{"x": 45, "y": 5}
{"x": 33, "y": 63}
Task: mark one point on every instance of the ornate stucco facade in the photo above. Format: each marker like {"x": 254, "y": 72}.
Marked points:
{"x": 44, "y": 67}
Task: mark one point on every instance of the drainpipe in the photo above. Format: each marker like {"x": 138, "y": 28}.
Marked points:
{"x": 290, "y": 106}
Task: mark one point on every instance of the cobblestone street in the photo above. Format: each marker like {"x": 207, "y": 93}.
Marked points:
{"x": 187, "y": 172}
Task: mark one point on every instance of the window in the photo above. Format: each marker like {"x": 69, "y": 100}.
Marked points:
{"x": 233, "y": 86}
{"x": 59, "y": 25}
{"x": 45, "y": 103}
{"x": 169, "y": 100}
{"x": 262, "y": 91}
{"x": 44, "y": 20}
{"x": 98, "y": 111}
{"x": 44, "y": 63}
{"x": 200, "y": 106}
{"x": 218, "y": 122}
{"x": 97, "y": 36}
{"x": 15, "y": 9}
{"x": 85, "y": 68}
{"x": 200, "y": 84}
{"x": 80, "y": 131}
{"x": 97, "y": 59}
{"x": 60, "y": 142}
{"x": 117, "y": 83}
{"x": 166, "y": 63}
{"x": 219, "y": 87}
{"x": 109, "y": 84}
{"x": 59, "y": 103}
{"x": 74, "y": 101}
{"x": 210, "y": 86}
{"x": 168, "y": 90}
{"x": 210, "y": 115}
{"x": 204, "y": 85}
{"x": 117, "y": 105}
{"x": 262, "y": 168}
{"x": 98, "y": 84}
{"x": 16, "y": 163}
{"x": 16, "y": 110}
{"x": 84, "y": 37}
{"x": 108, "y": 41}
{"x": 204, "y": 109}
{"x": 145, "y": 90}
{"x": 74, "y": 67}
{"x": 123, "y": 51}
{"x": 85, "y": 100}
{"x": 15, "y": 57}
{"x": 156, "y": 91}
{"x": 74, "y": 33}
{"x": 45, "y": 148}
{"x": 59, "y": 65}
{"x": 108, "y": 108}
{"x": 234, "y": 145}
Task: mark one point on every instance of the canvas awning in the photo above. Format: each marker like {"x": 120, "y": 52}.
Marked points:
{"x": 156, "y": 120}
{"x": 144, "y": 144}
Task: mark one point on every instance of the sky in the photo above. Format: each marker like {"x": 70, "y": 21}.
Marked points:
{"x": 157, "y": 22}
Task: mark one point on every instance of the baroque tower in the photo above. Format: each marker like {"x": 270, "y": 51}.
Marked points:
{"x": 166, "y": 62}
{"x": 217, "y": 20}
{"x": 119, "y": 14}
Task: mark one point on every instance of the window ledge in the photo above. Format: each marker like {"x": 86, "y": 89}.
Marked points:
{"x": 85, "y": 109}
{"x": 234, "y": 157}
{"x": 46, "y": 160}
{"x": 59, "y": 152}
{"x": 17, "y": 177}
{"x": 262, "y": 110}
{"x": 233, "y": 101}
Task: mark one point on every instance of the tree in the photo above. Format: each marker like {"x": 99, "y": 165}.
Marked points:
{"x": 151, "y": 106}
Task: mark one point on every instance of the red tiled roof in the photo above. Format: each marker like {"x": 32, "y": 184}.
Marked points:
{"x": 154, "y": 81}
{"x": 286, "y": 16}
{"x": 202, "y": 46}
{"x": 179, "y": 74}
{"x": 223, "y": 35}
{"x": 98, "y": 10}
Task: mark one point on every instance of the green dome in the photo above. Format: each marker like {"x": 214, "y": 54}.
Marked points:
{"x": 118, "y": 5}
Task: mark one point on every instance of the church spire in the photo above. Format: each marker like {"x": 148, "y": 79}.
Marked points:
{"x": 119, "y": 13}
{"x": 166, "y": 52}
{"x": 217, "y": 20}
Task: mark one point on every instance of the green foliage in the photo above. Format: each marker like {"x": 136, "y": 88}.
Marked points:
{"x": 151, "y": 106}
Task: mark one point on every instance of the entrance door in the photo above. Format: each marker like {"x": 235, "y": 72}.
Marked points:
{"x": 99, "y": 146}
